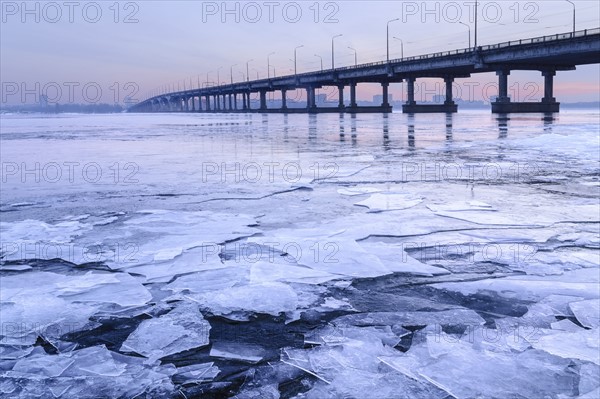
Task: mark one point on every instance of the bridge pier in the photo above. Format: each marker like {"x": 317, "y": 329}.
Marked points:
{"x": 283, "y": 99}
{"x": 411, "y": 106}
{"x": 310, "y": 99}
{"x": 503, "y": 105}
{"x": 224, "y": 97}
{"x": 263, "y": 100}
{"x": 353, "y": 95}
{"x": 341, "y": 97}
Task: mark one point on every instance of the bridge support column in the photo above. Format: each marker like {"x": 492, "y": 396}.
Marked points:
{"x": 283, "y": 99}
{"x": 248, "y": 101}
{"x": 224, "y": 97}
{"x": 193, "y": 98}
{"x": 503, "y": 105}
{"x": 208, "y": 103}
{"x": 263, "y": 100}
{"x": 235, "y": 101}
{"x": 385, "y": 101}
{"x": 411, "y": 106}
{"x": 353, "y": 95}
{"x": 244, "y": 106}
{"x": 341, "y": 96}
{"x": 449, "y": 100}
{"x": 186, "y": 101}
{"x": 310, "y": 98}
{"x": 548, "y": 86}
{"x": 503, "y": 87}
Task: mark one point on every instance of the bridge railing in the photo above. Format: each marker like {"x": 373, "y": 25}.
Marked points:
{"x": 540, "y": 39}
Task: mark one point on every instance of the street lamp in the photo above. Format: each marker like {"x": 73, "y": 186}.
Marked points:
{"x": 269, "y": 65}
{"x": 207, "y": 77}
{"x": 248, "y": 70}
{"x": 332, "y": 51}
{"x": 388, "y": 37}
{"x": 468, "y": 27}
{"x": 231, "y": 72}
{"x": 218, "y": 76}
{"x": 476, "y": 19}
{"x": 573, "y": 4}
{"x": 355, "y": 56}
{"x": 295, "y": 64}
{"x": 401, "y": 47}
{"x": 321, "y": 58}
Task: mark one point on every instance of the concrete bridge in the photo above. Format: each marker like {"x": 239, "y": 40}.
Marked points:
{"x": 547, "y": 54}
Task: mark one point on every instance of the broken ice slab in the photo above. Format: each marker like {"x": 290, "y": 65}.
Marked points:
{"x": 353, "y": 370}
{"x": 327, "y": 252}
{"x": 444, "y": 317}
{"x": 582, "y": 283}
{"x": 285, "y": 271}
{"x": 269, "y": 298}
{"x": 565, "y": 325}
{"x": 352, "y": 191}
{"x": 179, "y": 231}
{"x": 587, "y": 312}
{"x": 51, "y": 304}
{"x": 464, "y": 370}
{"x": 196, "y": 373}
{"x": 582, "y": 345}
{"x": 190, "y": 261}
{"x": 337, "y": 335}
{"x": 238, "y": 351}
{"x": 38, "y": 232}
{"x": 88, "y": 373}
{"x": 209, "y": 280}
{"x": 395, "y": 258}
{"x": 270, "y": 391}
{"x": 381, "y": 202}
{"x": 181, "y": 329}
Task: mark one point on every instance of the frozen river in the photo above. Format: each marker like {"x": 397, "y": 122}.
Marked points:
{"x": 300, "y": 256}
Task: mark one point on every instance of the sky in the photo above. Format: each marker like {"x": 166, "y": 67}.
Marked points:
{"x": 106, "y": 51}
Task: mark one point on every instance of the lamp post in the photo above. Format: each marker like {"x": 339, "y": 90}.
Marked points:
{"x": 476, "y": 18}
{"x": 321, "y": 58}
{"x": 231, "y": 72}
{"x": 355, "y": 56}
{"x": 387, "y": 37}
{"x": 401, "y": 47}
{"x": 269, "y": 65}
{"x": 248, "y": 70}
{"x": 332, "y": 51}
{"x": 207, "y": 77}
{"x": 573, "y": 4}
{"x": 468, "y": 27}
{"x": 295, "y": 64}
{"x": 218, "y": 76}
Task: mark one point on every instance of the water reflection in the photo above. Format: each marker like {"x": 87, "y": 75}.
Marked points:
{"x": 353, "y": 129}
{"x": 312, "y": 127}
{"x": 286, "y": 128}
{"x": 386, "y": 133}
{"x": 411, "y": 131}
{"x": 548, "y": 119}
{"x": 342, "y": 128}
{"x": 502, "y": 120}
{"x": 449, "y": 118}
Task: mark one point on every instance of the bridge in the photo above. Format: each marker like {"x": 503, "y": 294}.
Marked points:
{"x": 547, "y": 54}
